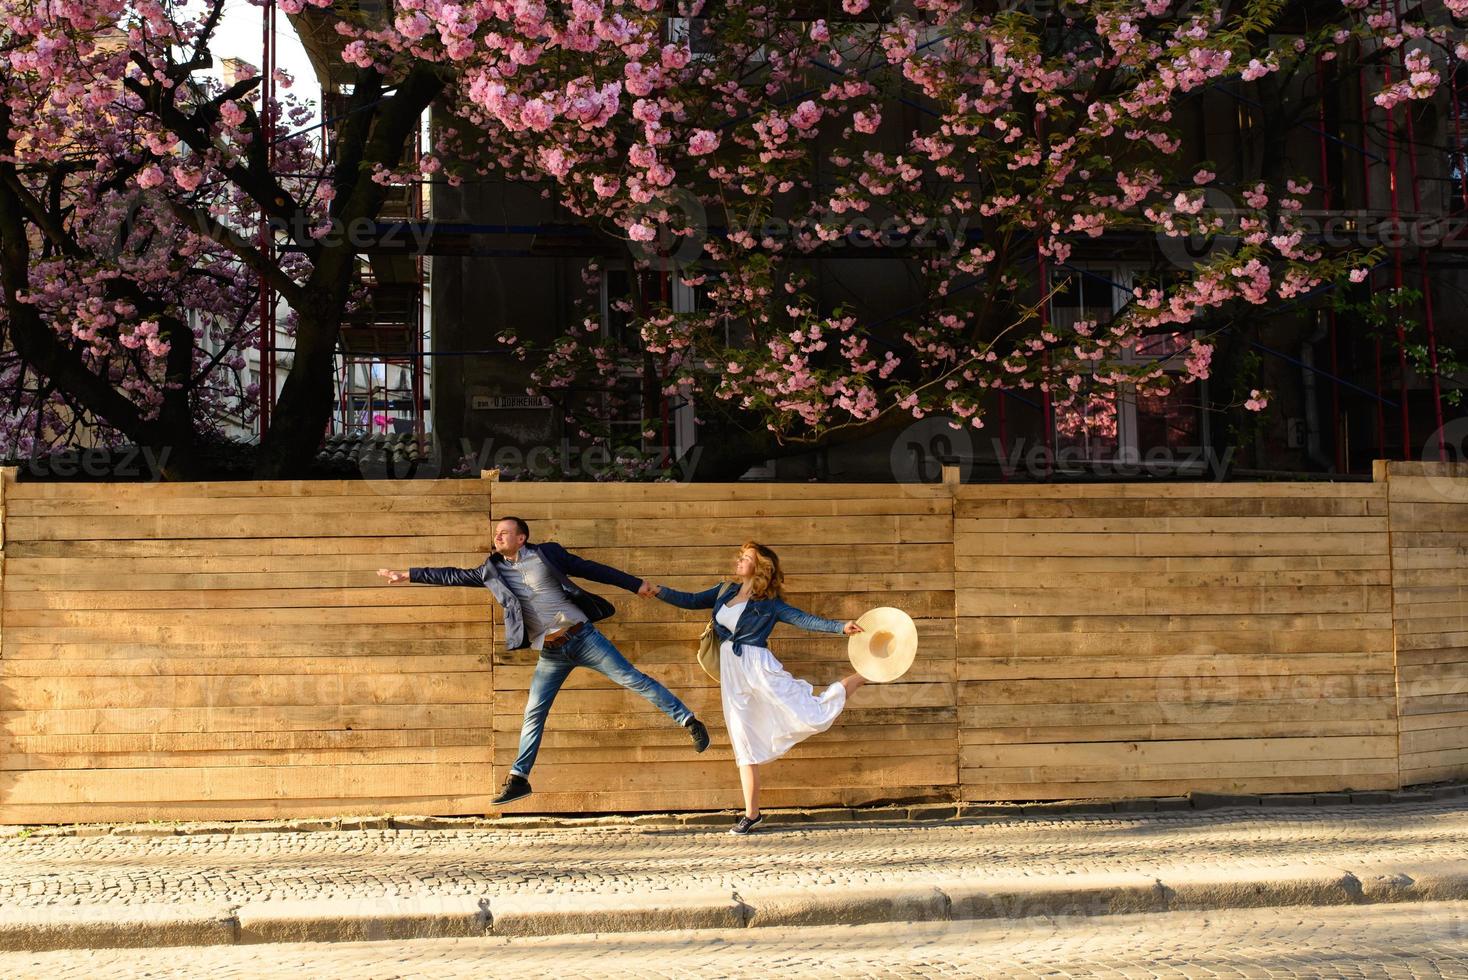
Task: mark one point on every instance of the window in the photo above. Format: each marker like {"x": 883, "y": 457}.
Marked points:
{"x": 616, "y": 285}
{"x": 1121, "y": 426}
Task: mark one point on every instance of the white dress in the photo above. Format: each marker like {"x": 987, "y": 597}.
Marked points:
{"x": 766, "y": 710}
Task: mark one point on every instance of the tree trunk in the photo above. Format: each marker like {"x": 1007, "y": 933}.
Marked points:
{"x": 373, "y": 134}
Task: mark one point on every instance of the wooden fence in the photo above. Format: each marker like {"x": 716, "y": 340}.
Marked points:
{"x": 192, "y": 651}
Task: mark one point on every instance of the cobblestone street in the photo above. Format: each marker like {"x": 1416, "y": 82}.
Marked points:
{"x": 221, "y": 868}
{"x": 1420, "y": 940}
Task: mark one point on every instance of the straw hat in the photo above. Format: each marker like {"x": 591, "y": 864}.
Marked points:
{"x": 886, "y": 645}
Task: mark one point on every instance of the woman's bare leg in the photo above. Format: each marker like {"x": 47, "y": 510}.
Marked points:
{"x": 749, "y": 779}
{"x": 852, "y": 682}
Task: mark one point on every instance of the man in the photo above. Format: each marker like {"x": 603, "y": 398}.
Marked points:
{"x": 545, "y": 611}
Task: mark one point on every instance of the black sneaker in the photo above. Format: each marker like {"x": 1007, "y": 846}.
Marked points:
{"x": 746, "y": 824}
{"x": 516, "y": 788}
{"x": 699, "y": 733}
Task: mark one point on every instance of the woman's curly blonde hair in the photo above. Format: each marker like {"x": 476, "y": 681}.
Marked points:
{"x": 769, "y": 580}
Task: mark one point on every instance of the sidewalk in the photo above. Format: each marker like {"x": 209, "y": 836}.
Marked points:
{"x": 116, "y": 890}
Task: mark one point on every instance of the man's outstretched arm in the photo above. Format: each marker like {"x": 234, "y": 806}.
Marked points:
{"x": 436, "y": 576}
{"x": 594, "y": 570}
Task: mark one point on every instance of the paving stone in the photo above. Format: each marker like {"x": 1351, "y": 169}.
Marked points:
{"x": 1412, "y": 941}
{"x": 366, "y": 823}
{"x": 1411, "y": 796}
{"x": 1214, "y": 801}
{"x": 990, "y": 810}
{"x": 933, "y": 811}
{"x": 710, "y": 819}
{"x": 1135, "y": 806}
{"x": 1372, "y": 796}
{"x": 1287, "y": 799}
{"x": 1070, "y": 806}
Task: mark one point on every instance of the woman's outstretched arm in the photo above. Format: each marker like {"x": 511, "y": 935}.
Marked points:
{"x": 689, "y": 600}
{"x": 801, "y": 619}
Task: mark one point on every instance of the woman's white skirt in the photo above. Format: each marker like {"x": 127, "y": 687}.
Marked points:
{"x": 767, "y": 710}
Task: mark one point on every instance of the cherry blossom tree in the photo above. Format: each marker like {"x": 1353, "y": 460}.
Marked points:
{"x": 740, "y": 166}
{"x": 989, "y": 143}
{"x": 131, "y": 189}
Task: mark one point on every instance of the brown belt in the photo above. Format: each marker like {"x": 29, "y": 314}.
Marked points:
{"x": 554, "y": 641}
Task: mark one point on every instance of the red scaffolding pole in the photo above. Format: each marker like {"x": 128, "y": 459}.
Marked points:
{"x": 1427, "y": 311}
{"x": 1335, "y": 372}
{"x": 1371, "y": 277}
{"x": 267, "y": 244}
{"x": 1396, "y": 212}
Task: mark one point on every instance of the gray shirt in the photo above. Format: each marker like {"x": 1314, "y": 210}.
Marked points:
{"x": 541, "y": 597}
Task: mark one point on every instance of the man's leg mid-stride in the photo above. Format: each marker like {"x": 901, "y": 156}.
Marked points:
{"x": 551, "y": 671}
{"x": 592, "y": 649}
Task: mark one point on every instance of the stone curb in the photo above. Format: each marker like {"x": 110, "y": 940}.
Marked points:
{"x": 823, "y": 815}
{"x": 1016, "y": 898}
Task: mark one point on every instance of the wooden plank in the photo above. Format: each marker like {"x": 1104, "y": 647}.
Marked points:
{"x": 173, "y": 526}
{"x": 1136, "y": 579}
{"x": 776, "y": 511}
{"x": 612, "y": 778}
{"x": 1179, "y": 665}
{"x": 975, "y": 790}
{"x": 786, "y": 533}
{"x": 105, "y": 505}
{"x": 1435, "y": 740}
{"x": 999, "y": 625}
{"x": 221, "y": 620}
{"x": 426, "y": 546}
{"x": 1191, "y": 690}
{"x": 1170, "y": 642}
{"x": 184, "y": 743}
{"x": 87, "y": 578}
{"x": 61, "y": 494}
{"x": 1171, "y": 544}
{"x": 1020, "y": 506}
{"x": 143, "y": 633}
{"x": 49, "y": 572}
{"x": 74, "y": 786}
{"x": 1049, "y": 491}
{"x": 373, "y": 593}
{"x": 1048, "y": 565}
{"x": 1169, "y": 525}
{"x": 1120, "y": 732}
{"x": 1168, "y": 602}
{"x": 165, "y": 666}
{"x": 265, "y": 809}
{"x": 512, "y": 493}
{"x": 1139, "y": 712}
{"x": 188, "y": 760}
{"x": 1238, "y": 770}
{"x": 1204, "y": 753}
{"x": 45, "y": 693}
{"x": 247, "y": 718}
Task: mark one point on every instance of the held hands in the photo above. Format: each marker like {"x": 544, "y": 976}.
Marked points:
{"x": 393, "y": 576}
{"x": 851, "y": 629}
{"x": 647, "y": 590}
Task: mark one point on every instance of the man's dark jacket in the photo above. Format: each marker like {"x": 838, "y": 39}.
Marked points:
{"x": 559, "y": 560}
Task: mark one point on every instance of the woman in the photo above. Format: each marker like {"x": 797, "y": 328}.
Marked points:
{"x": 766, "y": 710}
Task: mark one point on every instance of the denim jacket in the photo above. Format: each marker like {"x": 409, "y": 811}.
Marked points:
{"x": 756, "y": 621}
{"x": 561, "y": 561}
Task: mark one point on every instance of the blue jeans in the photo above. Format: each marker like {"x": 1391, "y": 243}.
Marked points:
{"x": 589, "y": 648}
